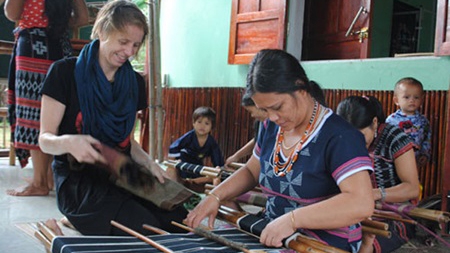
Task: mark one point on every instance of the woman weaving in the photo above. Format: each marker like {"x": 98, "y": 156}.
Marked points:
{"x": 395, "y": 179}
{"x": 311, "y": 163}
{"x": 90, "y": 101}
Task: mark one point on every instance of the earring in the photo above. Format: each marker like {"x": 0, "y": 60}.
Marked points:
{"x": 376, "y": 132}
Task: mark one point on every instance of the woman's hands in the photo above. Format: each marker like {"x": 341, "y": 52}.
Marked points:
{"x": 84, "y": 148}
{"x": 157, "y": 171}
{"x": 277, "y": 230}
{"x": 206, "y": 208}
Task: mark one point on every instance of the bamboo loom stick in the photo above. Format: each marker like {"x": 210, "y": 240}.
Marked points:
{"x": 46, "y": 231}
{"x": 217, "y": 238}
{"x": 141, "y": 237}
{"x": 376, "y": 231}
{"x": 41, "y": 237}
{"x": 375, "y": 224}
{"x": 236, "y": 165}
{"x": 155, "y": 229}
{"x": 205, "y": 171}
{"x": 390, "y": 217}
{"x": 318, "y": 245}
{"x": 417, "y": 212}
{"x": 436, "y": 215}
{"x": 45, "y": 235}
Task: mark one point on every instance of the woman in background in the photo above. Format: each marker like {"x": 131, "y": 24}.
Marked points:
{"x": 41, "y": 38}
{"x": 395, "y": 178}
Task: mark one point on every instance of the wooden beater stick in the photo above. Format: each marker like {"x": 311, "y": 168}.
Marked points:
{"x": 391, "y": 217}
{"x": 141, "y": 237}
{"x": 215, "y": 237}
{"x": 155, "y": 229}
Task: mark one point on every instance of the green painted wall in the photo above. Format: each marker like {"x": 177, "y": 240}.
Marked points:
{"x": 380, "y": 73}
{"x": 194, "y": 45}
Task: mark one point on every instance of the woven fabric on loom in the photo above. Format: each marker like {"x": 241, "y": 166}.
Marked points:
{"x": 175, "y": 242}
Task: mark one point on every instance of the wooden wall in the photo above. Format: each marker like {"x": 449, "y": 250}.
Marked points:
{"x": 234, "y": 126}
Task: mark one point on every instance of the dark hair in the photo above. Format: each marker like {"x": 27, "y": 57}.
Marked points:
{"x": 360, "y": 111}
{"x": 247, "y": 100}
{"x": 206, "y": 112}
{"x": 273, "y": 70}
{"x": 58, "y": 13}
{"x": 409, "y": 80}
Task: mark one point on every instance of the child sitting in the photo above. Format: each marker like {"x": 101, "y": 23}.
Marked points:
{"x": 408, "y": 95}
{"x": 197, "y": 144}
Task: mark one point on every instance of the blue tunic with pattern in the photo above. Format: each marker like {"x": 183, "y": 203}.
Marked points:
{"x": 334, "y": 151}
{"x": 187, "y": 149}
{"x": 417, "y": 127}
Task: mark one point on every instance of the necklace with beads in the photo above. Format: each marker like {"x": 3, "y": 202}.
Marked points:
{"x": 282, "y": 168}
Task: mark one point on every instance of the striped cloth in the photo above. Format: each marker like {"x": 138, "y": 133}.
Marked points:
{"x": 175, "y": 242}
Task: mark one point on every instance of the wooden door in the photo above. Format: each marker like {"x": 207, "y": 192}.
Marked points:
{"x": 442, "y": 41}
{"x": 327, "y": 24}
{"x": 255, "y": 25}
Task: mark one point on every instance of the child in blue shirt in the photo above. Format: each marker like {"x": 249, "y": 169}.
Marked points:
{"x": 408, "y": 96}
{"x": 198, "y": 143}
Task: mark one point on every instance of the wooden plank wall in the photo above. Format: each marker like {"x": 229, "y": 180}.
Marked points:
{"x": 234, "y": 126}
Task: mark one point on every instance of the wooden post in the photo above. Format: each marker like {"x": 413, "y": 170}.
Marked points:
{"x": 446, "y": 169}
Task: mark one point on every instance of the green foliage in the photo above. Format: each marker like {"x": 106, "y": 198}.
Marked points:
{"x": 141, "y": 3}
{"x": 139, "y": 62}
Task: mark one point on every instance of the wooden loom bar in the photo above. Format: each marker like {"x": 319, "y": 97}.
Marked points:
{"x": 155, "y": 229}
{"x": 205, "y": 171}
{"x": 390, "y": 217}
{"x": 298, "y": 245}
{"x": 141, "y": 237}
{"x": 375, "y": 224}
{"x": 41, "y": 237}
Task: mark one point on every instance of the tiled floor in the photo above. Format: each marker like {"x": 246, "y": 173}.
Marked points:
{"x": 17, "y": 210}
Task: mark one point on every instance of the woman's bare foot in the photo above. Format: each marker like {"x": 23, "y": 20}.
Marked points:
{"x": 53, "y": 225}
{"x": 67, "y": 223}
{"x": 29, "y": 190}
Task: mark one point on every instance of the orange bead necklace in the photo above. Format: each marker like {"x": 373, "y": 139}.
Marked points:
{"x": 282, "y": 168}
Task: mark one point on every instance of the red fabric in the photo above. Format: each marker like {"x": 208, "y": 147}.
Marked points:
{"x": 33, "y": 14}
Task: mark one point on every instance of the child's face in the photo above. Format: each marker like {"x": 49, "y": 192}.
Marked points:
{"x": 408, "y": 97}
{"x": 202, "y": 126}
{"x": 256, "y": 113}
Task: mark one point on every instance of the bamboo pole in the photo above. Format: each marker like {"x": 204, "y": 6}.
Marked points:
{"x": 151, "y": 82}
{"x": 376, "y": 231}
{"x": 390, "y": 217}
{"x": 159, "y": 102}
{"x": 375, "y": 224}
